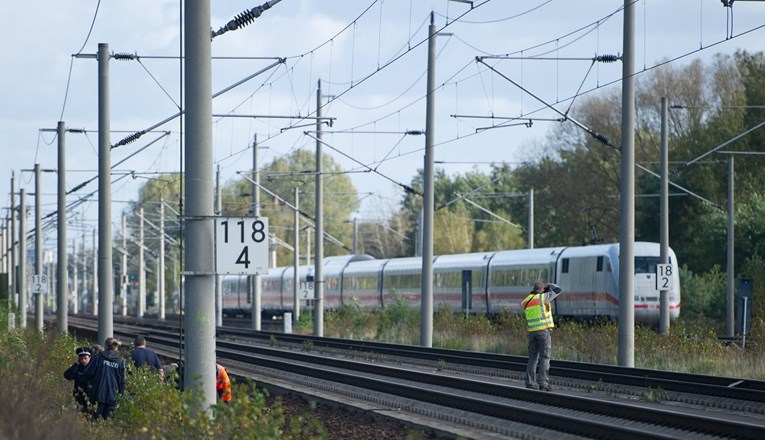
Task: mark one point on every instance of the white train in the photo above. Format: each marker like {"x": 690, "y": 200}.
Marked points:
{"x": 493, "y": 281}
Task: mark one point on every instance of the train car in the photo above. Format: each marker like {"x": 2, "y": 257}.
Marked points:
{"x": 277, "y": 288}
{"x": 449, "y": 273}
{"x": 332, "y": 274}
{"x": 591, "y": 284}
{"x": 492, "y": 281}
{"x": 236, "y": 298}
{"x": 362, "y": 283}
{"x": 401, "y": 281}
{"x": 512, "y": 275}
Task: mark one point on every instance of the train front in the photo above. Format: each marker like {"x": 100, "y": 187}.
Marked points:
{"x": 647, "y": 286}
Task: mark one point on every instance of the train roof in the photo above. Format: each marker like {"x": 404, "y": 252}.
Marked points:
{"x": 289, "y": 273}
{"x": 639, "y": 248}
{"x": 364, "y": 266}
{"x": 403, "y": 263}
{"x": 343, "y": 260}
{"x": 593, "y": 249}
{"x": 360, "y": 263}
{"x": 461, "y": 260}
{"x": 522, "y": 257}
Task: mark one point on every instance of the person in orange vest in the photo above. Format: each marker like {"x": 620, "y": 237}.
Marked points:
{"x": 222, "y": 383}
{"x": 539, "y": 322}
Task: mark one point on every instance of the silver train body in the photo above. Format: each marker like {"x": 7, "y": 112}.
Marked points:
{"x": 588, "y": 275}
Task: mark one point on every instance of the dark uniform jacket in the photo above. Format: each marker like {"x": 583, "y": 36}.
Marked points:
{"x": 106, "y": 373}
{"x": 77, "y": 373}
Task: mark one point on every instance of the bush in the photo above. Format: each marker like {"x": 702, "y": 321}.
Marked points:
{"x": 703, "y": 295}
{"x": 35, "y": 394}
{"x": 37, "y": 397}
{"x": 350, "y": 321}
{"x": 152, "y": 408}
{"x": 398, "y": 323}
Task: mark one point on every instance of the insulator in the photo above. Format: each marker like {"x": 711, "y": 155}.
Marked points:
{"x": 409, "y": 189}
{"x": 123, "y": 56}
{"x": 77, "y": 188}
{"x": 132, "y": 138}
{"x": 245, "y": 18}
{"x": 600, "y": 138}
{"x": 610, "y": 58}
{"x": 241, "y": 20}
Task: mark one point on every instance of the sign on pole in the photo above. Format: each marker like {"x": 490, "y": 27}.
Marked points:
{"x": 306, "y": 287}
{"x": 40, "y": 284}
{"x": 241, "y": 245}
{"x": 664, "y": 276}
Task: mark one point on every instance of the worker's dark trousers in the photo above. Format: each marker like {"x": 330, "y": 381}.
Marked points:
{"x": 540, "y": 345}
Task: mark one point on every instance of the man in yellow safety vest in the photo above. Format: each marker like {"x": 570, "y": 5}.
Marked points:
{"x": 539, "y": 321}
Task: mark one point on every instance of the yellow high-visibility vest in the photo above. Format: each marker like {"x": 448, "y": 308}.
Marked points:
{"x": 538, "y": 313}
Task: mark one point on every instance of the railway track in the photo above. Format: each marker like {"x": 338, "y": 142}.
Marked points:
{"x": 373, "y": 372}
{"x": 725, "y": 387}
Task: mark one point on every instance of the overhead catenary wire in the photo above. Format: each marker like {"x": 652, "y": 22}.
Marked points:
{"x": 140, "y": 133}
{"x": 406, "y": 187}
{"x": 600, "y": 21}
{"x": 577, "y": 95}
{"x": 598, "y": 136}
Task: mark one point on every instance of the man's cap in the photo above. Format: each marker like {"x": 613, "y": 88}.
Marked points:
{"x": 82, "y": 351}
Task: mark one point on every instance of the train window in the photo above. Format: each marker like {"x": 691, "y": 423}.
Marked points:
{"x": 478, "y": 280}
{"x": 515, "y": 277}
{"x": 448, "y": 279}
{"x": 646, "y": 264}
{"x": 363, "y": 282}
{"x": 541, "y": 275}
{"x": 564, "y": 266}
{"x": 599, "y": 264}
{"x": 402, "y": 281}
{"x": 332, "y": 283}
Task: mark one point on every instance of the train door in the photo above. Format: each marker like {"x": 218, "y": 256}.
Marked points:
{"x": 646, "y": 299}
{"x": 600, "y": 286}
{"x": 577, "y": 278}
{"x": 562, "y": 306}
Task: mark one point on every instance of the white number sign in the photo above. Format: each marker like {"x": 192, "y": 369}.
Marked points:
{"x": 307, "y": 288}
{"x": 40, "y": 284}
{"x": 241, "y": 245}
{"x": 664, "y": 275}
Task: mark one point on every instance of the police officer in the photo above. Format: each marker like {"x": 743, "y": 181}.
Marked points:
{"x": 106, "y": 374}
{"x": 77, "y": 373}
{"x": 539, "y": 321}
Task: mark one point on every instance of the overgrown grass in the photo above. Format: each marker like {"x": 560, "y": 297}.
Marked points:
{"x": 38, "y": 402}
{"x": 691, "y": 345}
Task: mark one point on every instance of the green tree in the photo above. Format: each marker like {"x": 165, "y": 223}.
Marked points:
{"x": 167, "y": 190}
{"x": 713, "y": 100}
{"x": 280, "y": 177}
{"x": 577, "y": 178}
{"x": 470, "y": 212}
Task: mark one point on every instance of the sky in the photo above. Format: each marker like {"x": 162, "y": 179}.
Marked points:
{"x": 370, "y": 58}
